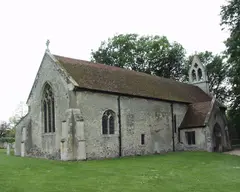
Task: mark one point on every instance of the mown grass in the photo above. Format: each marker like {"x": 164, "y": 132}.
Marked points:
{"x": 185, "y": 171}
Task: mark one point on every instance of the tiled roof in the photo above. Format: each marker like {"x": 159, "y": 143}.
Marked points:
{"x": 196, "y": 115}
{"x": 106, "y": 78}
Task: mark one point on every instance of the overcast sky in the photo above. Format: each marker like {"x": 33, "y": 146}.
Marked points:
{"x": 76, "y": 27}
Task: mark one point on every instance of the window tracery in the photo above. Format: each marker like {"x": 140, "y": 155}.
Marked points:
{"x": 108, "y": 122}
{"x": 48, "y": 110}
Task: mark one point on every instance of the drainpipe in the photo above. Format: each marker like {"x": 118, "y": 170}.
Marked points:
{"x": 172, "y": 127}
{"x": 120, "y": 127}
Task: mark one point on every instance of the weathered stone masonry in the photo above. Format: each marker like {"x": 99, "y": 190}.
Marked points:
{"x": 142, "y": 124}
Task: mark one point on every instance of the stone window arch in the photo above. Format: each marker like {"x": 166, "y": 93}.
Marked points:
{"x": 108, "y": 122}
{"x": 48, "y": 109}
{"x": 194, "y": 75}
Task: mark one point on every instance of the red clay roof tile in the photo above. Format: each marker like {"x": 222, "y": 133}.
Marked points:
{"x": 123, "y": 81}
{"x": 196, "y": 115}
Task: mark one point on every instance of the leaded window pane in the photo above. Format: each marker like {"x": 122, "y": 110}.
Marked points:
{"x": 53, "y": 116}
{"x": 111, "y": 125}
{"x": 108, "y": 122}
{"x": 45, "y": 116}
{"x": 105, "y": 124}
{"x": 49, "y": 117}
{"x": 48, "y": 109}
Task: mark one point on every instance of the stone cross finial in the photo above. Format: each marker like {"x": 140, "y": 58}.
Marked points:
{"x": 47, "y": 44}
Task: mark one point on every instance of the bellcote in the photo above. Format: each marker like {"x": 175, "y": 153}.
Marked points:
{"x": 198, "y": 75}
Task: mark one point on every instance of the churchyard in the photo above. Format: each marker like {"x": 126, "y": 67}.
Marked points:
{"x": 181, "y": 171}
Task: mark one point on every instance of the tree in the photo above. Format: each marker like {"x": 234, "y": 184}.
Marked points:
{"x": 217, "y": 72}
{"x": 11, "y": 133}
{"x": 149, "y": 54}
{"x": 20, "y": 111}
{"x": 157, "y": 56}
{"x": 230, "y": 20}
{"x": 4, "y": 127}
{"x": 6, "y": 133}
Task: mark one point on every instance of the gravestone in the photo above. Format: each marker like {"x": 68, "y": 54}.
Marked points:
{"x": 8, "y": 149}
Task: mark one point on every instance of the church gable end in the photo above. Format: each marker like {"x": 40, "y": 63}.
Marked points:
{"x": 48, "y": 100}
{"x": 217, "y": 130}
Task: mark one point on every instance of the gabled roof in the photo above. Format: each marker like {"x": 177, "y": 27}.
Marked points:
{"x": 100, "y": 77}
{"x": 196, "y": 114}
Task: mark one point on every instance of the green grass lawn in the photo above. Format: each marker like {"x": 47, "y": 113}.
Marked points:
{"x": 186, "y": 171}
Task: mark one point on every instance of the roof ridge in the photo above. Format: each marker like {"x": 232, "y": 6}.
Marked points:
{"x": 113, "y": 79}
{"x": 95, "y": 64}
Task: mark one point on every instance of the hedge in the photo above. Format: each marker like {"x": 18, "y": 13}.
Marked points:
{"x": 7, "y": 139}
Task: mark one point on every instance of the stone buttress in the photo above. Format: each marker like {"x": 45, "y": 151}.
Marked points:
{"x": 73, "y": 139}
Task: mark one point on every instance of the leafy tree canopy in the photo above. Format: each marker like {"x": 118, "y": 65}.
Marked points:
{"x": 230, "y": 20}
{"x": 149, "y": 54}
{"x": 157, "y": 56}
{"x": 4, "y": 127}
{"x": 217, "y": 72}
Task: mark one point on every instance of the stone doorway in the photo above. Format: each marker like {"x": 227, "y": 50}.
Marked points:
{"x": 217, "y": 138}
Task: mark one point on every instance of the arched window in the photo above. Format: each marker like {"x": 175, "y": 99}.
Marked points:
{"x": 199, "y": 74}
{"x": 108, "y": 122}
{"x": 48, "y": 110}
{"x": 194, "y": 77}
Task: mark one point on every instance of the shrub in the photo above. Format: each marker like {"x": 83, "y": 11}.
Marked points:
{"x": 7, "y": 139}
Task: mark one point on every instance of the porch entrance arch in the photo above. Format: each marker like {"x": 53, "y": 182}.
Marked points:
{"x": 217, "y": 138}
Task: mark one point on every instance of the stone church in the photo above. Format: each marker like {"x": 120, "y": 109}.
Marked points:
{"x": 82, "y": 110}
